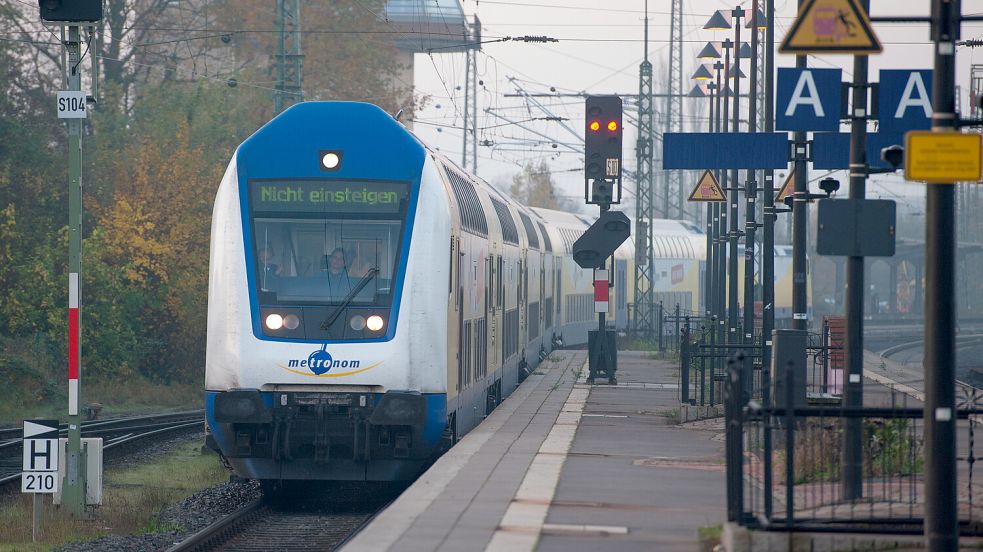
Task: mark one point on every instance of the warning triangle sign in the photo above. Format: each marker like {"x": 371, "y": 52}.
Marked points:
{"x": 831, "y": 27}
{"x": 786, "y": 188}
{"x": 707, "y": 189}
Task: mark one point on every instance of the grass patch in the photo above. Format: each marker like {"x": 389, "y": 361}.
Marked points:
{"x": 890, "y": 448}
{"x": 34, "y": 386}
{"x": 132, "y": 501}
{"x": 117, "y": 398}
{"x": 671, "y": 414}
{"x": 709, "y": 536}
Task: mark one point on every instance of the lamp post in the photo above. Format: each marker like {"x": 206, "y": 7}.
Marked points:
{"x": 733, "y": 188}
{"x": 703, "y": 74}
{"x": 720, "y": 253}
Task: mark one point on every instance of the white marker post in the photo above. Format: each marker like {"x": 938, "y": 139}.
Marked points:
{"x": 40, "y": 467}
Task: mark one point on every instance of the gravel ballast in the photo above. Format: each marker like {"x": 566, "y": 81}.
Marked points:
{"x": 188, "y": 516}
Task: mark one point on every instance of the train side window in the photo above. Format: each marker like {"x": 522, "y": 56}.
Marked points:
{"x": 450, "y": 270}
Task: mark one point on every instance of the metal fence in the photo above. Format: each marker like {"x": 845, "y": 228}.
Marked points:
{"x": 789, "y": 472}
{"x": 785, "y": 465}
{"x": 703, "y": 356}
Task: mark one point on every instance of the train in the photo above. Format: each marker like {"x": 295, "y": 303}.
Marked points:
{"x": 369, "y": 302}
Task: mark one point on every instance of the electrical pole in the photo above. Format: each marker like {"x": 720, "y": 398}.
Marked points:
{"x": 73, "y": 489}
{"x": 800, "y": 305}
{"x": 735, "y": 463}
{"x": 289, "y": 60}
{"x": 750, "y": 224}
{"x": 941, "y": 521}
{"x": 853, "y": 391}
{"x": 473, "y": 55}
{"x": 674, "y": 193}
{"x": 644, "y": 320}
{"x": 768, "y": 245}
{"x": 467, "y": 107}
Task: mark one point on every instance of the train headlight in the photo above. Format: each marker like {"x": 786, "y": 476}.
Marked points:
{"x": 274, "y": 321}
{"x": 357, "y": 322}
{"x": 374, "y": 323}
{"x": 291, "y": 321}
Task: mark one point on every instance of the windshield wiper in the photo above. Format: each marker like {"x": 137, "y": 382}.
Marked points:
{"x": 351, "y": 295}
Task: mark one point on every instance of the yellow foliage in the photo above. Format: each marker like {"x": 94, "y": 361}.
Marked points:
{"x": 156, "y": 227}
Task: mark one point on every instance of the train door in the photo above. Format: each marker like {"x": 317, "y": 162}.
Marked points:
{"x": 460, "y": 319}
{"x": 488, "y": 313}
{"x": 521, "y": 300}
{"x": 558, "y": 292}
{"x": 542, "y": 293}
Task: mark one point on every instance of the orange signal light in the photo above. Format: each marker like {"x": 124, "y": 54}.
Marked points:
{"x": 595, "y": 126}
{"x": 613, "y": 126}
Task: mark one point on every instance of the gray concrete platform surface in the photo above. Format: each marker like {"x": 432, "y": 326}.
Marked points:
{"x": 562, "y": 465}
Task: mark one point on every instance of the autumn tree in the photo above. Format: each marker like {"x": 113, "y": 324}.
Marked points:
{"x": 534, "y": 186}
{"x": 154, "y": 150}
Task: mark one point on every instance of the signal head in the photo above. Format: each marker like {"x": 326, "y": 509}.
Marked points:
{"x": 603, "y": 138}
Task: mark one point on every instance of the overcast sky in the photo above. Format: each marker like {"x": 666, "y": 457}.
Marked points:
{"x": 600, "y": 47}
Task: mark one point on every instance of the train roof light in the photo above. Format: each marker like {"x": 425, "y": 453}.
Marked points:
{"x": 330, "y": 160}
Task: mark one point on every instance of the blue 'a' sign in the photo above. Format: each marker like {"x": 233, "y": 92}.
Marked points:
{"x": 808, "y": 99}
{"x": 904, "y": 100}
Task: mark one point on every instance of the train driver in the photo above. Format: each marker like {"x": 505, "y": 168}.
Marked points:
{"x": 339, "y": 282}
{"x": 269, "y": 269}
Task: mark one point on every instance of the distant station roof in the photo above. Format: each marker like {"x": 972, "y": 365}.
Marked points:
{"x": 428, "y": 25}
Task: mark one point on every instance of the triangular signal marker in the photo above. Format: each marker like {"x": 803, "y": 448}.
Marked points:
{"x": 786, "y": 188}
{"x": 707, "y": 189}
{"x": 831, "y": 27}
{"x": 40, "y": 427}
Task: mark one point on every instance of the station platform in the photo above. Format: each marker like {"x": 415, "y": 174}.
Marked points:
{"x": 563, "y": 465}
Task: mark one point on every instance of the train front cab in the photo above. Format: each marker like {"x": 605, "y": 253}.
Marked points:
{"x": 285, "y": 223}
{"x": 388, "y": 436}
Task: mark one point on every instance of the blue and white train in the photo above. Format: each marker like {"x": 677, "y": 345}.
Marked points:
{"x": 369, "y": 302}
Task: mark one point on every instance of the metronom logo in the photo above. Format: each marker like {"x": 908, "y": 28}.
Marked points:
{"x": 322, "y": 363}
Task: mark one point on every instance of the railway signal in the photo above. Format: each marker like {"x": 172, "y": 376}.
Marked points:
{"x": 603, "y": 135}
{"x": 73, "y": 14}
{"x": 71, "y": 11}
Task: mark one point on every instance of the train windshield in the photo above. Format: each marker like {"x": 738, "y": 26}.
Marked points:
{"x": 327, "y": 242}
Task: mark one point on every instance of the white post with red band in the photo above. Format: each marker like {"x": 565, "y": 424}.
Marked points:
{"x": 600, "y": 291}
{"x": 73, "y": 344}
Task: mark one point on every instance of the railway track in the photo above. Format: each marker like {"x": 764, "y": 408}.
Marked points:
{"x": 119, "y": 436}
{"x": 263, "y": 526}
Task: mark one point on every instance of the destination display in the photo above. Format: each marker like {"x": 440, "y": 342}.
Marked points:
{"x": 326, "y": 196}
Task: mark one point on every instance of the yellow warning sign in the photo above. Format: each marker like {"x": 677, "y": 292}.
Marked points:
{"x": 708, "y": 189}
{"x": 943, "y": 157}
{"x": 831, "y": 27}
{"x": 787, "y": 188}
